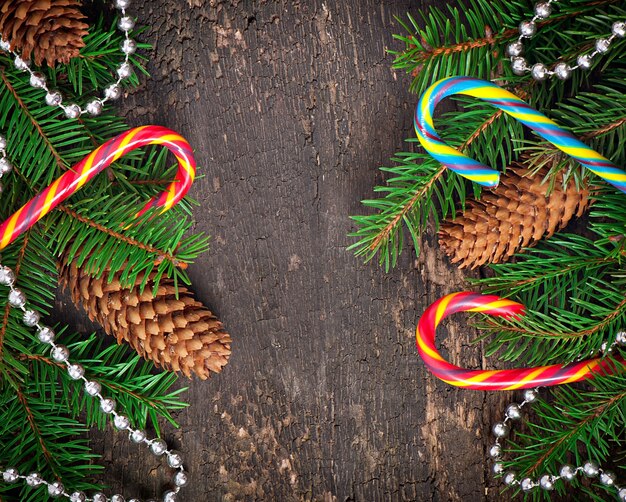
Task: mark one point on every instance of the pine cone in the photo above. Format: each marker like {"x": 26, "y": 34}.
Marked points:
{"x": 517, "y": 214}
{"x": 176, "y": 334}
{"x": 46, "y": 30}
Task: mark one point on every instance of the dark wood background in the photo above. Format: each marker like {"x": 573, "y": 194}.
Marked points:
{"x": 292, "y": 106}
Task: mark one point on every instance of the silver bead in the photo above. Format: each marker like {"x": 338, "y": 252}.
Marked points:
{"x": 539, "y": 71}
{"x": 34, "y": 479}
{"x": 55, "y": 489}
{"x": 546, "y": 483}
{"x": 180, "y": 479}
{"x": 76, "y": 371}
{"x": 495, "y": 451}
{"x": 138, "y": 436}
{"x": 107, "y": 405}
{"x": 174, "y": 459}
{"x": 620, "y": 338}
{"x": 591, "y": 469}
{"x": 509, "y": 478}
{"x": 134, "y": 500}
{"x": 17, "y": 298}
{"x": 99, "y": 497}
{"x": 124, "y": 70}
{"x": 498, "y": 468}
{"x": 513, "y": 411}
{"x": 515, "y": 49}
{"x": 563, "y": 71}
{"x": 54, "y": 98}
{"x": 38, "y": 80}
{"x": 21, "y": 64}
{"x": 113, "y": 92}
{"x": 619, "y": 29}
{"x": 10, "y": 475}
{"x": 45, "y": 334}
{"x": 603, "y": 45}
{"x": 94, "y": 107}
{"x": 543, "y": 10}
{"x": 126, "y": 23}
{"x": 527, "y": 28}
{"x": 7, "y": 277}
{"x": 527, "y": 484}
{"x": 584, "y": 61}
{"x": 567, "y": 472}
{"x": 3, "y": 143}
{"x": 122, "y": 4}
{"x": 500, "y": 430}
{"x": 622, "y": 494}
{"x": 129, "y": 46}
{"x": 5, "y": 166}
{"x": 31, "y": 318}
{"x": 519, "y": 66}
{"x": 92, "y": 388}
{"x": 607, "y": 478}
{"x": 170, "y": 496}
{"x": 121, "y": 422}
{"x": 60, "y": 353}
{"x": 72, "y": 111}
{"x": 158, "y": 447}
{"x": 5, "y": 45}
{"x": 118, "y": 498}
{"x": 79, "y": 497}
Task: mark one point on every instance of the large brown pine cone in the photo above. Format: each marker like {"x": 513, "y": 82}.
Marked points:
{"x": 516, "y": 214}
{"x": 179, "y": 334}
{"x": 44, "y": 30}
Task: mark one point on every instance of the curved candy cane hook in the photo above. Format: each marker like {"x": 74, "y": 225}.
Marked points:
{"x": 518, "y": 109}
{"x": 521, "y": 378}
{"x": 96, "y": 161}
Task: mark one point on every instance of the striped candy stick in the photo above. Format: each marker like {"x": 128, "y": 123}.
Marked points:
{"x": 518, "y": 109}
{"x": 96, "y": 161}
{"x": 495, "y": 379}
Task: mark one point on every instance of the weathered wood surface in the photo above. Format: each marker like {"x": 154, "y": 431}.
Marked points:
{"x": 292, "y": 106}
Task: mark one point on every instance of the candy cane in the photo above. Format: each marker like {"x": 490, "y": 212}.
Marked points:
{"x": 518, "y": 109}
{"x": 495, "y": 379}
{"x": 96, "y": 161}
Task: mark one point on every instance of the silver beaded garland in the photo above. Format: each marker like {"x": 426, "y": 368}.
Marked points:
{"x": 53, "y": 98}
{"x": 61, "y": 354}
{"x": 567, "y": 472}
{"x": 562, "y": 70}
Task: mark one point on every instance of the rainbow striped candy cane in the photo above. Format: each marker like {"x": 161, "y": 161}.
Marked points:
{"x": 96, "y": 161}
{"x": 518, "y": 109}
{"x": 521, "y": 378}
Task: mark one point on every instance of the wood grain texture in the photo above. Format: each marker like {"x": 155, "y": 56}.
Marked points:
{"x": 292, "y": 106}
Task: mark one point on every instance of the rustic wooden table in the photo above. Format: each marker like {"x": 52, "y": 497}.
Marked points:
{"x": 292, "y": 106}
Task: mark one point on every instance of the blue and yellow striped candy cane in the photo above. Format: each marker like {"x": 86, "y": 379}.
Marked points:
{"x": 518, "y": 109}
